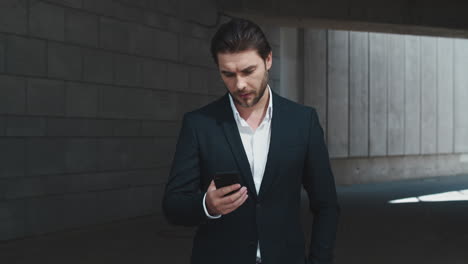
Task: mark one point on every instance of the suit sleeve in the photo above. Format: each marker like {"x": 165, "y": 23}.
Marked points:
{"x": 320, "y": 186}
{"x": 183, "y": 199}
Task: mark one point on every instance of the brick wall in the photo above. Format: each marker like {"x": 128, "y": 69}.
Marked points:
{"x": 91, "y": 97}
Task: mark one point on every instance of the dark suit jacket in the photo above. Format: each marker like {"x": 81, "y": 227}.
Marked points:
{"x": 209, "y": 142}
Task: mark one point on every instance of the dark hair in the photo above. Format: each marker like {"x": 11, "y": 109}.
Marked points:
{"x": 239, "y": 35}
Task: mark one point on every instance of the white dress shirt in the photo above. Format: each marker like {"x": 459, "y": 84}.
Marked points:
{"x": 256, "y": 145}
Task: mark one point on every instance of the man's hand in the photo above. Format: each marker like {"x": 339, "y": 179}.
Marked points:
{"x": 218, "y": 204}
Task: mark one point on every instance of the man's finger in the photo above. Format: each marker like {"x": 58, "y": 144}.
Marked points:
{"x": 227, "y": 200}
{"x": 225, "y": 190}
{"x": 237, "y": 203}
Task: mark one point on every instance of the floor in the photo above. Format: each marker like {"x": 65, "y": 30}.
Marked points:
{"x": 371, "y": 231}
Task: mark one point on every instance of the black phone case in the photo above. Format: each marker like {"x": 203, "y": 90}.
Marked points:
{"x": 224, "y": 179}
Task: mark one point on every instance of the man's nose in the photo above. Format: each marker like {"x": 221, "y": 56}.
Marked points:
{"x": 240, "y": 83}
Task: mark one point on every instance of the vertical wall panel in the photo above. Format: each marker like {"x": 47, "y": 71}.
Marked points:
{"x": 338, "y": 85}
{"x": 428, "y": 95}
{"x": 377, "y": 95}
{"x": 445, "y": 95}
{"x": 359, "y": 94}
{"x": 461, "y": 95}
{"x": 315, "y": 72}
{"x": 412, "y": 94}
{"x": 396, "y": 94}
{"x": 289, "y": 70}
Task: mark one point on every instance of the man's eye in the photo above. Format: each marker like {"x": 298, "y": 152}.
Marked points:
{"x": 228, "y": 74}
{"x": 248, "y": 72}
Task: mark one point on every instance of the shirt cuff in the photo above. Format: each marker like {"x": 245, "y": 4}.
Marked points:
{"x": 206, "y": 211}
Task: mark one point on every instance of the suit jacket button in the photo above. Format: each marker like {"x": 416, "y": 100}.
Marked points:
{"x": 258, "y": 205}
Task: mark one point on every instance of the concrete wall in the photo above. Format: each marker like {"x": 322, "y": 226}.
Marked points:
{"x": 91, "y": 98}
{"x": 388, "y": 96}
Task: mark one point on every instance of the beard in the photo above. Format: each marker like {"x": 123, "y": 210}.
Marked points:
{"x": 258, "y": 94}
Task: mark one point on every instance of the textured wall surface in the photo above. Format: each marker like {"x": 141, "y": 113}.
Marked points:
{"x": 383, "y": 97}
{"x": 91, "y": 98}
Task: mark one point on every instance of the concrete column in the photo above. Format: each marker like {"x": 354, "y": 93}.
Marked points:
{"x": 291, "y": 83}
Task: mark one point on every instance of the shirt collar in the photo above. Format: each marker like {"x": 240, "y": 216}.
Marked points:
{"x": 269, "y": 112}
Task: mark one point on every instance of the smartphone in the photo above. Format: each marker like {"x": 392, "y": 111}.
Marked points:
{"x": 223, "y": 179}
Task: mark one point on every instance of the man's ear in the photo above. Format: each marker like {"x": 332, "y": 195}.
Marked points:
{"x": 269, "y": 60}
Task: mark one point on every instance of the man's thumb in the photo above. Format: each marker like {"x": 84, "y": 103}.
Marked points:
{"x": 212, "y": 186}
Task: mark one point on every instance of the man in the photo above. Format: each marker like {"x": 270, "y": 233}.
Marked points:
{"x": 276, "y": 145}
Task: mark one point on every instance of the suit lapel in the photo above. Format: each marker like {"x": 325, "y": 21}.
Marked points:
{"x": 277, "y": 136}
{"x": 233, "y": 137}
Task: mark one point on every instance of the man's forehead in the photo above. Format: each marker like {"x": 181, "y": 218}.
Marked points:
{"x": 238, "y": 61}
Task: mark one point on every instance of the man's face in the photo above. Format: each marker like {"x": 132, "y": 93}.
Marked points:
{"x": 245, "y": 75}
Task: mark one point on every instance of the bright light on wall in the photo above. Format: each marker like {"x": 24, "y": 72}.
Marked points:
{"x": 461, "y": 195}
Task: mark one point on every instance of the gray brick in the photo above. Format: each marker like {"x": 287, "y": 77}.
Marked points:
{"x": 193, "y": 30}
{"x": 158, "y": 192}
{"x": 126, "y": 12}
{"x": 203, "y": 11}
{"x": 115, "y": 35}
{"x": 144, "y": 177}
{"x": 215, "y": 83}
{"x": 45, "y": 214}
{"x": 2, "y": 125}
{"x": 113, "y": 153}
{"x": 166, "y": 6}
{"x": 81, "y": 210}
{"x": 24, "y": 126}
{"x": 178, "y": 77}
{"x": 81, "y": 155}
{"x": 12, "y": 95}
{"x": 166, "y": 45}
{"x": 166, "y": 105}
{"x": 142, "y": 41}
{"x": 101, "y": 6}
{"x": 196, "y": 51}
{"x": 46, "y": 156}
{"x": 3, "y": 42}
{"x": 126, "y": 128}
{"x": 12, "y": 219}
{"x": 24, "y": 187}
{"x": 119, "y": 102}
{"x": 198, "y": 81}
{"x": 140, "y": 201}
{"x": 13, "y": 157}
{"x": 81, "y": 28}
{"x": 142, "y": 153}
{"x": 135, "y": 3}
{"x": 98, "y": 66}
{"x": 65, "y": 62}
{"x": 112, "y": 205}
{"x": 160, "y": 128}
{"x": 128, "y": 70}
{"x": 13, "y": 16}
{"x": 158, "y": 20}
{"x": 46, "y": 21}
{"x": 165, "y": 151}
{"x": 154, "y": 74}
{"x": 82, "y": 99}
{"x": 64, "y": 127}
{"x": 46, "y": 97}
{"x": 70, "y": 3}
{"x": 26, "y": 56}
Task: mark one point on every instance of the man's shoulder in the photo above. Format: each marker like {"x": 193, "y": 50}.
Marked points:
{"x": 210, "y": 111}
{"x": 293, "y": 107}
